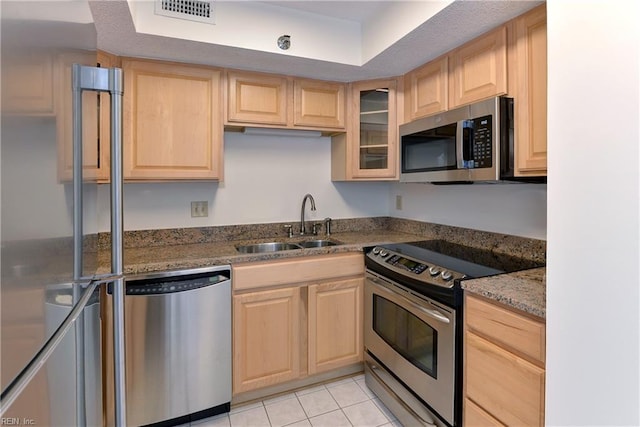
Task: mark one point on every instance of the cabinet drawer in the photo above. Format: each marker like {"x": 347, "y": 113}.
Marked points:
{"x": 512, "y": 330}
{"x": 498, "y": 379}
{"x": 296, "y": 270}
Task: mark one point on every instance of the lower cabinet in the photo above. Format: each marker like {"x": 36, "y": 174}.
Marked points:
{"x": 266, "y": 336}
{"x": 504, "y": 371}
{"x": 294, "y": 318}
{"x": 335, "y": 324}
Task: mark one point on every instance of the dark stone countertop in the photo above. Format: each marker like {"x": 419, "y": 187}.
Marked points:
{"x": 523, "y": 290}
{"x": 178, "y": 249}
{"x": 139, "y": 260}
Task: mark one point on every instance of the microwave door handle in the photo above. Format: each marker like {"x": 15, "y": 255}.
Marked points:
{"x": 467, "y": 144}
{"x": 459, "y": 146}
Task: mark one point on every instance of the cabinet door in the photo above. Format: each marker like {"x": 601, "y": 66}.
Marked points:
{"x": 335, "y": 325}
{"x": 28, "y": 82}
{"x": 266, "y": 338}
{"x": 508, "y": 387}
{"x": 257, "y": 98}
{"x": 529, "y": 68}
{"x": 64, "y": 119}
{"x": 172, "y": 121}
{"x": 368, "y": 150}
{"x": 478, "y": 70}
{"x": 319, "y": 104}
{"x": 95, "y": 119}
{"x": 427, "y": 89}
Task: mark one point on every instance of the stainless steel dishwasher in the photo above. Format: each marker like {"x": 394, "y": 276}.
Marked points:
{"x": 177, "y": 346}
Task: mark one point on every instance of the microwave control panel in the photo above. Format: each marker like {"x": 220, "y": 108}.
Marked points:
{"x": 481, "y": 148}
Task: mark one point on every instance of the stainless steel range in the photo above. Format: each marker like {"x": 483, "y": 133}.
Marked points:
{"x": 413, "y": 325}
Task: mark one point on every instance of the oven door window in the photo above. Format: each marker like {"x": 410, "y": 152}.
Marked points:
{"x": 408, "y": 335}
{"x": 430, "y": 150}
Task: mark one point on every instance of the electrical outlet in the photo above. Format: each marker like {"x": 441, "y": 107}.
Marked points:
{"x": 399, "y": 202}
{"x": 199, "y": 209}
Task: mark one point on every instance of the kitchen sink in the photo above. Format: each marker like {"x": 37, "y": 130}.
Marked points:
{"x": 318, "y": 243}
{"x": 259, "y": 248}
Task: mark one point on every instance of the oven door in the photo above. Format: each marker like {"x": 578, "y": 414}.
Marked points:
{"x": 413, "y": 337}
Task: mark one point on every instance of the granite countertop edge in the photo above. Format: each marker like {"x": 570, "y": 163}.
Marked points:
{"x": 523, "y": 290}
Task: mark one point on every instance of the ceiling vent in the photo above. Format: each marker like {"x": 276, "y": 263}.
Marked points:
{"x": 193, "y": 10}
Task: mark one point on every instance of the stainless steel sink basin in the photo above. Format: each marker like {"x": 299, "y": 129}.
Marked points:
{"x": 317, "y": 243}
{"x": 267, "y": 247}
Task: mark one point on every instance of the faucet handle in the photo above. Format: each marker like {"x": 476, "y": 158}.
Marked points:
{"x": 314, "y": 228}
{"x": 289, "y": 230}
{"x": 327, "y": 226}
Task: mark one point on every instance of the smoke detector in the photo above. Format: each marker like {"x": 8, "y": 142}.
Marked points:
{"x": 192, "y": 10}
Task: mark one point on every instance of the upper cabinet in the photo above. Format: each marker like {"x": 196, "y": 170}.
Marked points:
{"x": 95, "y": 118}
{"x": 427, "y": 89}
{"x": 528, "y": 86}
{"x": 369, "y": 148}
{"x": 478, "y": 69}
{"x": 319, "y": 104}
{"x": 172, "y": 124}
{"x": 28, "y": 83}
{"x": 257, "y": 99}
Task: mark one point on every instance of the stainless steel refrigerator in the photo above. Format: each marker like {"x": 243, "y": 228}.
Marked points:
{"x": 50, "y": 350}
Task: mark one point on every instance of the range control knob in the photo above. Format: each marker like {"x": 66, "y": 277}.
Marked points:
{"x": 376, "y": 250}
{"x": 446, "y": 275}
{"x": 434, "y": 271}
{"x": 383, "y": 253}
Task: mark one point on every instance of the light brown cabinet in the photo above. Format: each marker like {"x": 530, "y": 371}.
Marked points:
{"x": 504, "y": 360}
{"x": 172, "y": 121}
{"x": 319, "y": 104}
{"x": 284, "y": 102}
{"x": 478, "y": 69}
{"x": 95, "y": 118}
{"x": 257, "y": 98}
{"x": 29, "y": 83}
{"x": 335, "y": 324}
{"x": 369, "y": 148}
{"x": 266, "y": 338}
{"x": 528, "y": 86}
{"x": 427, "y": 89}
{"x": 294, "y": 318}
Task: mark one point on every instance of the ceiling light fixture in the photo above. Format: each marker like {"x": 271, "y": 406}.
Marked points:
{"x": 284, "y": 42}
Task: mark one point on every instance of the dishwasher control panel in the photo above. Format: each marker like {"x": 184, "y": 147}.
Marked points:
{"x": 167, "y": 283}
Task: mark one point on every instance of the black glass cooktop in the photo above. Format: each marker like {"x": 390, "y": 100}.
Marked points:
{"x": 498, "y": 261}
{"x": 473, "y": 262}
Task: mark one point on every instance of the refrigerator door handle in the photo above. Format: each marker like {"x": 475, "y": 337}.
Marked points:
{"x": 101, "y": 80}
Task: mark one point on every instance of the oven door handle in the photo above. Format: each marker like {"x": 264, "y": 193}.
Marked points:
{"x": 429, "y": 312}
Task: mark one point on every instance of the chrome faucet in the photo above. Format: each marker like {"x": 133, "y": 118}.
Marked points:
{"x": 303, "y": 231}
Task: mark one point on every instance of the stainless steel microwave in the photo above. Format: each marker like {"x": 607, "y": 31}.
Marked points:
{"x": 467, "y": 144}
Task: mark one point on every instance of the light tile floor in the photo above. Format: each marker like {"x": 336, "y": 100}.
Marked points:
{"x": 346, "y": 402}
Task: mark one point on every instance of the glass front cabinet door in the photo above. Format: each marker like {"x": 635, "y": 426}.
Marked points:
{"x": 368, "y": 151}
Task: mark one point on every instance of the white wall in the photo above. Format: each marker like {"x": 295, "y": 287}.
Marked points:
{"x": 518, "y": 209}
{"x": 593, "y": 294}
{"x": 266, "y": 178}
